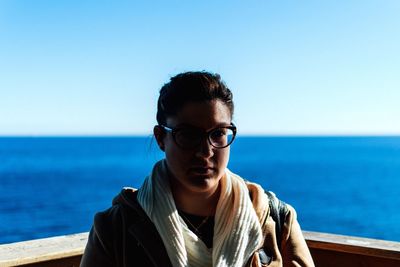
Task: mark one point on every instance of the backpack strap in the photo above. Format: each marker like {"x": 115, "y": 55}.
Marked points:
{"x": 278, "y": 212}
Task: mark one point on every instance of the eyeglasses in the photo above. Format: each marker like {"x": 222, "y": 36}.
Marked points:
{"x": 191, "y": 137}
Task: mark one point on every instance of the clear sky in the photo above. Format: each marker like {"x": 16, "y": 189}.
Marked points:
{"x": 295, "y": 67}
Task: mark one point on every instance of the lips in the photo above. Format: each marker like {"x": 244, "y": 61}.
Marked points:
{"x": 202, "y": 170}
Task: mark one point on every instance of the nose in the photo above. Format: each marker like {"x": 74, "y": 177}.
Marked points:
{"x": 205, "y": 149}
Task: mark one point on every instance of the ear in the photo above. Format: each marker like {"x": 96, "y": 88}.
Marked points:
{"x": 159, "y": 134}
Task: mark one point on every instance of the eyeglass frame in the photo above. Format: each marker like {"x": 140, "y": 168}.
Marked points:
{"x": 173, "y": 131}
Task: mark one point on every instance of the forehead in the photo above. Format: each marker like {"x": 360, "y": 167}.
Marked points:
{"x": 204, "y": 115}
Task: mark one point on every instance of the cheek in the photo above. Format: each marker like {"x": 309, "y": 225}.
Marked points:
{"x": 223, "y": 158}
{"x": 176, "y": 158}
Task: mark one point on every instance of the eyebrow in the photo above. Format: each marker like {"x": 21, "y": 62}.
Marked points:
{"x": 183, "y": 125}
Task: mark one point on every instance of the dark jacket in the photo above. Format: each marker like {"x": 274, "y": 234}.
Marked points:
{"x": 123, "y": 236}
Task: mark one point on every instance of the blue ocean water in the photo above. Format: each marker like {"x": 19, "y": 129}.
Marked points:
{"x": 343, "y": 185}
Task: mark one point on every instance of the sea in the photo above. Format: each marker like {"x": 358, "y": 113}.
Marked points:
{"x": 51, "y": 186}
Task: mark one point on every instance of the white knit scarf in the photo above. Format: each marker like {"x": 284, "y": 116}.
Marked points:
{"x": 237, "y": 231}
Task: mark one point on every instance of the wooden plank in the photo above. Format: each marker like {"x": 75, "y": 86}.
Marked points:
{"x": 41, "y": 250}
{"x": 353, "y": 245}
{"x": 329, "y": 258}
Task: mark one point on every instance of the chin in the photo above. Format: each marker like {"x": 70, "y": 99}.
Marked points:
{"x": 203, "y": 183}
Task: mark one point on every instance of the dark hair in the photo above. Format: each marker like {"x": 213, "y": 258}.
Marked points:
{"x": 187, "y": 87}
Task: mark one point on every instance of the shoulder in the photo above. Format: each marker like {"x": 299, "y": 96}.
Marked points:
{"x": 106, "y": 226}
{"x": 289, "y": 237}
{"x": 124, "y": 207}
{"x": 104, "y": 220}
{"x": 264, "y": 199}
{"x": 109, "y": 234}
{"x": 99, "y": 249}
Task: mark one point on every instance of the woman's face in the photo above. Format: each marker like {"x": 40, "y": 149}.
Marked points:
{"x": 197, "y": 170}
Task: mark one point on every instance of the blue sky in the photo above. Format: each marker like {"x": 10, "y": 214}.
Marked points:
{"x": 295, "y": 67}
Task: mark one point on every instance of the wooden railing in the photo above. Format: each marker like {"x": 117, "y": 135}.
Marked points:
{"x": 327, "y": 250}
{"x": 57, "y": 251}
{"x": 330, "y": 250}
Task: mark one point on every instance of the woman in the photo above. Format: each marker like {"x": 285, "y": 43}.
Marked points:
{"x": 191, "y": 210}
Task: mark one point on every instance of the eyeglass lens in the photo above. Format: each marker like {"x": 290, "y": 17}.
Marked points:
{"x": 190, "y": 138}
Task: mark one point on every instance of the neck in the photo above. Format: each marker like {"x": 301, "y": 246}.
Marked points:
{"x": 196, "y": 203}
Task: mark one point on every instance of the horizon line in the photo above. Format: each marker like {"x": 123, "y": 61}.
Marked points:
{"x": 238, "y": 136}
